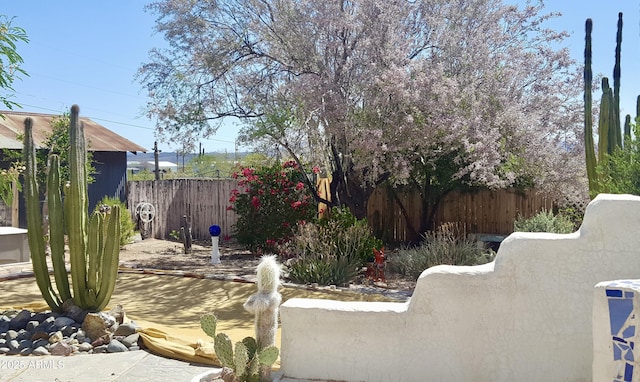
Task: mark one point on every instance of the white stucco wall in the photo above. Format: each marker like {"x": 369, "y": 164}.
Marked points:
{"x": 616, "y": 315}
{"x": 525, "y": 317}
{"x": 14, "y": 246}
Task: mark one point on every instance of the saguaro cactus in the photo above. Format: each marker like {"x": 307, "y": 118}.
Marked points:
{"x": 93, "y": 243}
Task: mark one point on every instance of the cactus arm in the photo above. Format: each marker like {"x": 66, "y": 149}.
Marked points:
{"x": 617, "y": 138}
{"x": 35, "y": 235}
{"x": 94, "y": 250}
{"x": 627, "y": 128}
{"x": 56, "y": 228}
{"x": 588, "y": 116}
{"x": 77, "y": 209}
{"x": 251, "y": 345}
{"x": 109, "y": 265}
{"x": 603, "y": 123}
{"x": 613, "y": 127}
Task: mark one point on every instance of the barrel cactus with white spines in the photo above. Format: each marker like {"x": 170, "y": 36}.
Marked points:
{"x": 264, "y": 305}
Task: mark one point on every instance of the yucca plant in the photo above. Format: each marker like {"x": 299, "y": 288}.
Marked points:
{"x": 93, "y": 242}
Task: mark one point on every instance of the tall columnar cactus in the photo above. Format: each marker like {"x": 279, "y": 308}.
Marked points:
{"x": 588, "y": 117}
{"x": 607, "y": 137}
{"x": 628, "y": 121}
{"x": 93, "y": 243}
{"x": 34, "y": 220}
{"x": 609, "y": 129}
{"x": 616, "y": 85}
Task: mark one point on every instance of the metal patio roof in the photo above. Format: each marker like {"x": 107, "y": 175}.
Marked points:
{"x": 98, "y": 137}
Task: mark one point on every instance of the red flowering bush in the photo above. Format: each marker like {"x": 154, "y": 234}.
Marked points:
{"x": 270, "y": 204}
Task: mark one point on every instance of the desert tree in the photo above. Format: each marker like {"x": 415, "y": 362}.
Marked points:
{"x": 436, "y": 95}
{"x": 10, "y": 70}
{"x": 10, "y": 59}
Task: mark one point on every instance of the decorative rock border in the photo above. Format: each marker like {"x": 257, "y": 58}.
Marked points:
{"x": 47, "y": 333}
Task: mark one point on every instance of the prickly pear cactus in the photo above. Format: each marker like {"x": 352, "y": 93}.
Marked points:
{"x": 252, "y": 358}
{"x": 240, "y": 359}
{"x": 208, "y": 324}
{"x": 269, "y": 355}
{"x": 253, "y": 368}
{"x": 251, "y": 345}
{"x": 224, "y": 350}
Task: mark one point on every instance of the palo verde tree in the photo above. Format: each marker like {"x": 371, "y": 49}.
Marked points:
{"x": 377, "y": 92}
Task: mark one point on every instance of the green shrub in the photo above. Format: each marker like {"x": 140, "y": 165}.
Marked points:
{"x": 544, "y": 221}
{"x": 272, "y": 201}
{"x": 443, "y": 246}
{"x": 127, "y": 225}
{"x": 573, "y": 213}
{"x": 331, "y": 251}
{"x": 347, "y": 234}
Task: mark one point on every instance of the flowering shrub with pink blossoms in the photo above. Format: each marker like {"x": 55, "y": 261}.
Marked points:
{"x": 270, "y": 203}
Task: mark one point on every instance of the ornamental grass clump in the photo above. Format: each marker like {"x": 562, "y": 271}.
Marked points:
{"x": 544, "y": 221}
{"x": 445, "y": 245}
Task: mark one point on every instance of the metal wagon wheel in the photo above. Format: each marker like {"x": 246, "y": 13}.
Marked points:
{"x": 145, "y": 212}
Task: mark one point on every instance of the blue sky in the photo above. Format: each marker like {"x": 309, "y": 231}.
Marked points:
{"x": 87, "y": 53}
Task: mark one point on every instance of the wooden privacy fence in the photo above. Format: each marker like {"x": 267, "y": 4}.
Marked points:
{"x": 206, "y": 201}
{"x": 478, "y": 212}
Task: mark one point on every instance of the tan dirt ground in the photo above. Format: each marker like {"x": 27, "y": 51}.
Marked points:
{"x": 154, "y": 254}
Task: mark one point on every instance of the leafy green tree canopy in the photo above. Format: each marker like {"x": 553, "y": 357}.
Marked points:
{"x": 10, "y": 60}
{"x": 378, "y": 91}
{"x": 10, "y": 70}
